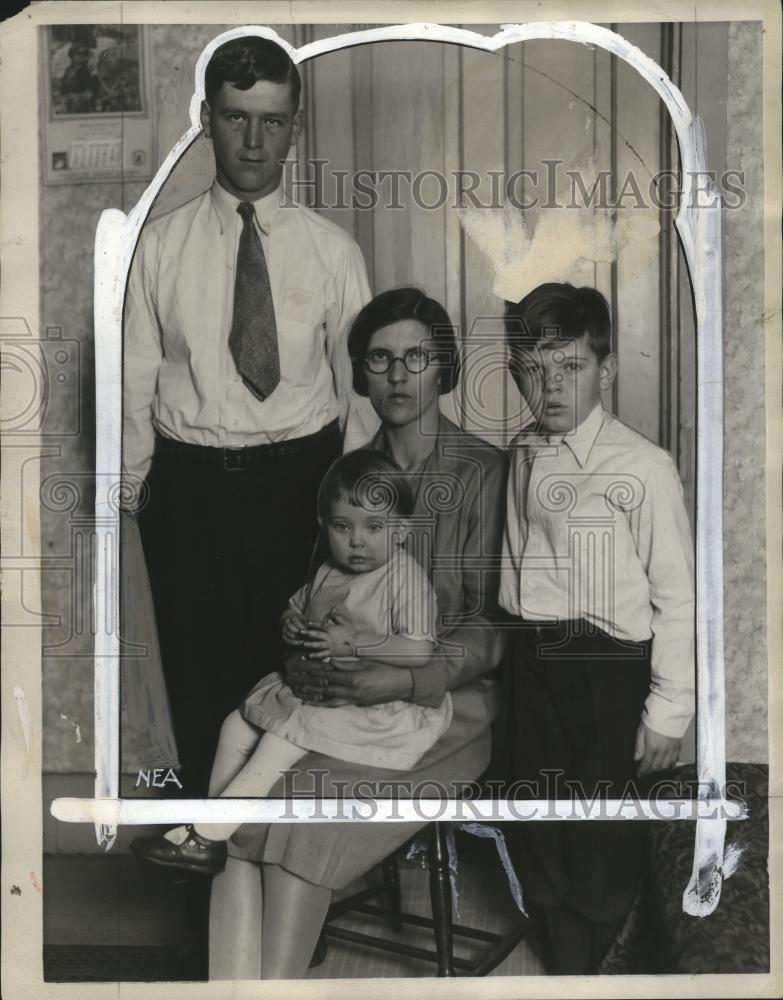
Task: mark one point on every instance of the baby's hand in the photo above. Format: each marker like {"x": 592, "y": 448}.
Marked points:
{"x": 342, "y": 634}
{"x": 342, "y": 638}
{"x": 334, "y": 638}
{"x": 292, "y": 624}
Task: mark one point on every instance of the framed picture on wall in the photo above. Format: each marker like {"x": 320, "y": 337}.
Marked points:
{"x": 96, "y": 91}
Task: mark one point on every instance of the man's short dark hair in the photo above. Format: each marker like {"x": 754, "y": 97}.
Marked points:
{"x": 242, "y": 62}
{"x": 559, "y": 311}
{"x": 394, "y": 306}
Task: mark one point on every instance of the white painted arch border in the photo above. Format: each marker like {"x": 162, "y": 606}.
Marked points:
{"x": 698, "y": 224}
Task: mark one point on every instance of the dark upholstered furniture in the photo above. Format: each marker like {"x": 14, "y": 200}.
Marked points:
{"x": 659, "y": 937}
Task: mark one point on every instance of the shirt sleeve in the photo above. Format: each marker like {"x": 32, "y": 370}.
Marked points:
{"x": 413, "y": 603}
{"x": 142, "y": 356}
{"x": 298, "y": 601}
{"x": 352, "y": 290}
{"x": 665, "y": 549}
{"x": 305, "y": 600}
{"x": 511, "y": 558}
{"x": 479, "y": 639}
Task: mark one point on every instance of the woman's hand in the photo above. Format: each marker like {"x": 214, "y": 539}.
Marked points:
{"x": 346, "y": 682}
{"x": 363, "y": 682}
{"x": 304, "y": 676}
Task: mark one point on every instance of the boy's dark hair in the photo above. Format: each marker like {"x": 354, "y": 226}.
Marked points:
{"x": 242, "y": 62}
{"x": 559, "y": 311}
{"x": 367, "y": 479}
{"x": 393, "y": 306}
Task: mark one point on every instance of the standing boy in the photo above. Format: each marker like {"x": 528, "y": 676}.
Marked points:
{"x": 598, "y": 566}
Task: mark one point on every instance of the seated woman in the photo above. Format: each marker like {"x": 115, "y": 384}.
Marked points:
{"x": 265, "y": 921}
{"x": 369, "y": 598}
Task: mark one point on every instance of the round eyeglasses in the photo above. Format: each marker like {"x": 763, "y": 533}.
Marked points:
{"x": 415, "y": 359}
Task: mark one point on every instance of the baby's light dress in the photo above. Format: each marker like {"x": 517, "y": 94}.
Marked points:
{"x": 395, "y": 598}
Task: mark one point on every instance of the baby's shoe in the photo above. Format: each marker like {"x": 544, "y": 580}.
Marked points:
{"x": 195, "y": 853}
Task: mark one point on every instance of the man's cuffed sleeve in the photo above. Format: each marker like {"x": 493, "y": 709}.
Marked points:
{"x": 142, "y": 355}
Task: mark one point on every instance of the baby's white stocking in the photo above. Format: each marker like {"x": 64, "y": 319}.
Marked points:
{"x": 270, "y": 758}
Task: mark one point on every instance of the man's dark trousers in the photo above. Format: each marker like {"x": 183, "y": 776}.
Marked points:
{"x": 228, "y": 536}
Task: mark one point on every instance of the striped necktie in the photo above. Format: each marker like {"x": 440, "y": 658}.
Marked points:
{"x": 253, "y": 337}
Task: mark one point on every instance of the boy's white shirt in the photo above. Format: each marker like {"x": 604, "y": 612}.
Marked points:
{"x": 596, "y": 528}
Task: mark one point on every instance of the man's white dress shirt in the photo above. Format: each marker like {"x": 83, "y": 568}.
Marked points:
{"x": 179, "y": 375}
{"x": 596, "y": 528}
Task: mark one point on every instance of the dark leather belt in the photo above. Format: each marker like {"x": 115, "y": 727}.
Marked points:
{"x": 559, "y": 634}
{"x": 239, "y": 459}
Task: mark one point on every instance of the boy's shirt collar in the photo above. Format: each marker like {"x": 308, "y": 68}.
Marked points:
{"x": 580, "y": 440}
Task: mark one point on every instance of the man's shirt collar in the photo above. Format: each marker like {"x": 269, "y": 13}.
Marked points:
{"x": 266, "y": 208}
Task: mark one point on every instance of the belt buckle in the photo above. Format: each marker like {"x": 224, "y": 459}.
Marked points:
{"x": 235, "y": 459}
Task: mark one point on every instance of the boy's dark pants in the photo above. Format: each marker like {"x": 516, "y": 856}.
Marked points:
{"x": 227, "y": 539}
{"x": 574, "y": 702}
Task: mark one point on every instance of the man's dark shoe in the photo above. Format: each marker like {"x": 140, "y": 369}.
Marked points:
{"x": 195, "y": 854}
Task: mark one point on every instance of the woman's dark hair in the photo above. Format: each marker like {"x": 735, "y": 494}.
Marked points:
{"x": 559, "y": 311}
{"x": 242, "y": 62}
{"x": 396, "y": 305}
{"x": 367, "y": 479}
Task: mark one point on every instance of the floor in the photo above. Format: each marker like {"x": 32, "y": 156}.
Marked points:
{"x": 117, "y": 918}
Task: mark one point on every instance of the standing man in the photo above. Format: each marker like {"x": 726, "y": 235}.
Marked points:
{"x": 236, "y": 390}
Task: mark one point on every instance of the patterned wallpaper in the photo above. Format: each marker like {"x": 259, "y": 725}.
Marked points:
{"x": 745, "y": 443}
{"x": 68, "y": 218}
{"x": 69, "y": 215}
